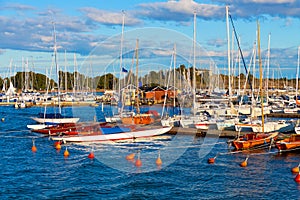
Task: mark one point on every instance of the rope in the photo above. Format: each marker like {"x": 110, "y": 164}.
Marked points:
{"x": 238, "y": 43}
{"x": 19, "y": 131}
{"x": 289, "y": 150}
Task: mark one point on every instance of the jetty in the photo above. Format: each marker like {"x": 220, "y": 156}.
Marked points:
{"x": 200, "y": 133}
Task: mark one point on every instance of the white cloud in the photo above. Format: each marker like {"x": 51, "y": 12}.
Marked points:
{"x": 109, "y": 18}
{"x": 270, "y": 1}
{"x": 179, "y": 11}
{"x": 17, "y": 6}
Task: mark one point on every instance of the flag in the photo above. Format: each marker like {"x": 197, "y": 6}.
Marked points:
{"x": 124, "y": 70}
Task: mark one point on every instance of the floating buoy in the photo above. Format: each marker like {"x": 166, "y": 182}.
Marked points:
{"x": 244, "y": 163}
{"x": 66, "y": 153}
{"x": 130, "y": 156}
{"x": 56, "y": 143}
{"x": 297, "y": 178}
{"x": 295, "y": 169}
{"x": 138, "y": 162}
{"x": 3, "y": 119}
{"x": 33, "y": 148}
{"x": 211, "y": 160}
{"x": 91, "y": 155}
{"x": 58, "y": 146}
{"x": 158, "y": 160}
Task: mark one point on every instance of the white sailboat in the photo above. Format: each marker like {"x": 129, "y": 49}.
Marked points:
{"x": 103, "y": 137}
{"x": 55, "y": 118}
{"x": 190, "y": 121}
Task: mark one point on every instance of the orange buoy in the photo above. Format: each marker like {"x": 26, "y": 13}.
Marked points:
{"x": 91, "y": 155}
{"x": 58, "y": 146}
{"x": 66, "y": 153}
{"x": 158, "y": 160}
{"x": 244, "y": 163}
{"x": 211, "y": 160}
{"x": 33, "y": 148}
{"x": 297, "y": 178}
{"x": 138, "y": 162}
{"x": 130, "y": 156}
{"x": 295, "y": 169}
{"x": 56, "y": 143}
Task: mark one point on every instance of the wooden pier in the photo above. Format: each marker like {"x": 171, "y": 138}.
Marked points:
{"x": 209, "y": 133}
{"x": 284, "y": 115}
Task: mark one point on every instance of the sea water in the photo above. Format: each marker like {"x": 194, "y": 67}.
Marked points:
{"x": 184, "y": 173}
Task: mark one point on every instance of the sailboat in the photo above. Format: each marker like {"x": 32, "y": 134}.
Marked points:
{"x": 293, "y": 141}
{"x": 191, "y": 121}
{"x": 138, "y": 118}
{"x": 290, "y": 143}
{"x": 55, "y": 118}
{"x": 112, "y": 134}
{"x": 252, "y": 140}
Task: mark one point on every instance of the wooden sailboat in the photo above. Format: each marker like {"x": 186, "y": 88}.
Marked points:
{"x": 252, "y": 140}
{"x": 290, "y": 143}
{"x": 293, "y": 141}
{"x": 119, "y": 133}
{"x": 138, "y": 118}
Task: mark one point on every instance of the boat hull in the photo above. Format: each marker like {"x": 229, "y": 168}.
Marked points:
{"x": 55, "y": 120}
{"x": 252, "y": 140}
{"x": 138, "y": 119}
{"x": 290, "y": 143}
{"x": 100, "y": 137}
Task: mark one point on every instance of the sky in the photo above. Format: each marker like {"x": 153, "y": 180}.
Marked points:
{"x": 89, "y": 36}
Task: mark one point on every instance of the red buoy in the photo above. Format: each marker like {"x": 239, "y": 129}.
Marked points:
{"x": 211, "y": 160}
{"x": 91, "y": 155}
{"x": 297, "y": 178}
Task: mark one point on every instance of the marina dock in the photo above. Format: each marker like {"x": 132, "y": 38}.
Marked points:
{"x": 199, "y": 133}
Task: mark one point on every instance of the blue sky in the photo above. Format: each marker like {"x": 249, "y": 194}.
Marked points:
{"x": 92, "y": 30}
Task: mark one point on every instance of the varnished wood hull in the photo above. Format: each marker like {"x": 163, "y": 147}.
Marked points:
{"x": 290, "y": 143}
{"x": 252, "y": 140}
{"x": 138, "y": 119}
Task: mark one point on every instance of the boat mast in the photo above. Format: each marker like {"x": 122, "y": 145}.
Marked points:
{"x": 57, "y": 68}
{"x": 137, "y": 77}
{"x": 260, "y": 78}
{"x": 297, "y": 74}
{"x": 268, "y": 67}
{"x": 66, "y": 81}
{"x": 194, "y": 64}
{"x": 174, "y": 76}
{"x": 121, "y": 53}
{"x": 228, "y": 51}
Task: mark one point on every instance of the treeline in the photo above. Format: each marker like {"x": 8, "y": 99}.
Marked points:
{"x": 32, "y": 81}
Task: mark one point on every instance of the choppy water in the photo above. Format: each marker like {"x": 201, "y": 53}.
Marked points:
{"x": 185, "y": 173}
